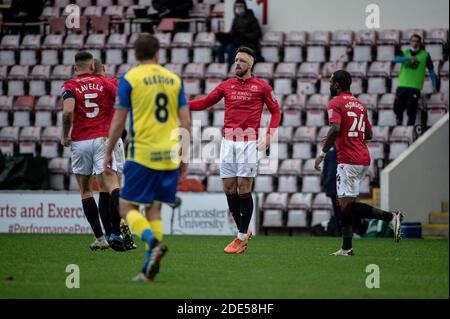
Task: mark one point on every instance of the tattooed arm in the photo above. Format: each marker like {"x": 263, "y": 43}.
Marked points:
{"x": 68, "y": 107}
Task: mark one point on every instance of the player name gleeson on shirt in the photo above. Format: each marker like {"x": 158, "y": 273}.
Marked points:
{"x": 158, "y": 79}
{"x": 89, "y": 86}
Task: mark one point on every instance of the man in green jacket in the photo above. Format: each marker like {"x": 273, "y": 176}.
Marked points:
{"x": 414, "y": 61}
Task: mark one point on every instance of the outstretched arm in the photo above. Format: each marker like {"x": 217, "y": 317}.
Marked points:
{"x": 212, "y": 98}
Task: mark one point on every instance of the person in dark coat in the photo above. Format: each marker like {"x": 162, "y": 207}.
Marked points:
{"x": 245, "y": 32}
{"x": 329, "y": 184}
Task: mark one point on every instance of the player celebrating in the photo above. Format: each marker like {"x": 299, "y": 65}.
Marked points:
{"x": 154, "y": 98}
{"x": 245, "y": 96}
{"x": 86, "y": 105}
{"x": 105, "y": 204}
{"x": 349, "y": 128}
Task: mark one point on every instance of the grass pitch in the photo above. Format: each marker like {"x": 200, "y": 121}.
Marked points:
{"x": 33, "y": 266}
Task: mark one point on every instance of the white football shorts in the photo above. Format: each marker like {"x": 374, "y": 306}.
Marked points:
{"x": 238, "y": 158}
{"x": 88, "y": 156}
{"x": 348, "y": 178}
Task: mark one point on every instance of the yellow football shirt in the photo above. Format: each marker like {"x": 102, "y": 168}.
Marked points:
{"x": 153, "y": 95}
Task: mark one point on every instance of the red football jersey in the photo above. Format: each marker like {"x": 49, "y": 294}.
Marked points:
{"x": 93, "y": 95}
{"x": 351, "y": 114}
{"x": 244, "y": 101}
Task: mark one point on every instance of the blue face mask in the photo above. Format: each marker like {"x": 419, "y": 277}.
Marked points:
{"x": 240, "y": 11}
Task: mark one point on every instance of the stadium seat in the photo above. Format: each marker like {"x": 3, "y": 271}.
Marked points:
{"x": 202, "y": 117}
{"x": 376, "y": 150}
{"x": 198, "y": 169}
{"x": 379, "y": 69}
{"x": 217, "y": 70}
{"x": 183, "y": 40}
{"x": 394, "y": 84}
{"x": 437, "y": 101}
{"x": 308, "y": 168}
{"x": 50, "y": 57}
{"x": 389, "y": 36}
{"x": 301, "y": 150}
{"x": 276, "y": 201}
{"x": 283, "y": 86}
{"x": 28, "y": 138}
{"x": 376, "y": 86}
{"x": 214, "y": 184}
{"x": 435, "y": 51}
{"x": 114, "y": 12}
{"x": 55, "y": 87}
{"x": 357, "y": 86}
{"x": 16, "y": 88}
{"x": 194, "y": 70}
{"x": 28, "y": 57}
{"x": 342, "y": 37}
{"x": 272, "y": 218}
{"x": 10, "y": 41}
{"x": 175, "y": 68}
{"x": 315, "y": 54}
{"x": 284, "y": 134}
{"x": 210, "y": 85}
{"x": 264, "y": 70}
{"x": 281, "y": 148}
{"x": 200, "y": 10}
{"x": 380, "y": 134}
{"x": 116, "y": 41}
{"x": 114, "y": 56}
{"x": 271, "y": 54}
{"x": 50, "y": 139}
{"x": 320, "y": 216}
{"x": 300, "y": 201}
{"x": 305, "y": 134}
{"x": 59, "y": 168}
{"x": 322, "y": 201}
{"x": 338, "y": 53}
{"x": 31, "y": 41}
{"x": 436, "y": 36}
{"x": 317, "y": 102}
{"x": 296, "y": 218}
{"x": 323, "y": 132}
{"x": 306, "y": 86}
{"x": 402, "y": 134}
{"x": 444, "y": 86}
{"x": 211, "y": 133}
{"x": 285, "y": 70}
{"x": 50, "y": 12}
{"x": 395, "y": 149}
{"x": 386, "y": 101}
{"x": 315, "y": 118}
{"x": 330, "y": 67}
{"x": 18, "y": 72}
{"x": 362, "y": 53}
{"x": 295, "y": 38}
{"x": 385, "y": 53}
{"x": 268, "y": 166}
{"x": 3, "y": 72}
{"x": 180, "y": 55}
{"x": 40, "y": 72}
{"x": 192, "y": 86}
{"x": 311, "y": 184}
{"x": 62, "y": 72}
{"x": 263, "y": 184}
{"x": 291, "y": 118}
{"x": 386, "y": 118}
{"x": 7, "y": 57}
{"x": 92, "y": 11}
{"x": 406, "y": 35}
{"x": 295, "y": 101}
{"x": 272, "y": 38}
{"x": 95, "y": 40}
{"x": 69, "y": 56}
{"x": 427, "y": 86}
{"x": 434, "y": 115}
{"x": 318, "y": 38}
{"x": 290, "y": 167}
{"x": 287, "y": 184}
{"x": 22, "y": 108}
{"x": 218, "y": 118}
{"x": 325, "y": 86}
{"x": 61, "y": 3}
{"x": 52, "y": 41}
{"x": 293, "y": 54}
{"x": 203, "y": 55}
{"x": 37, "y": 87}
{"x": 6, "y": 103}
{"x": 44, "y": 108}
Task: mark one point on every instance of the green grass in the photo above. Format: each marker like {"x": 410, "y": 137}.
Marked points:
{"x": 33, "y": 266}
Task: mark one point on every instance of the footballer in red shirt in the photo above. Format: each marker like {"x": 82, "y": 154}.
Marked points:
{"x": 349, "y": 129}
{"x": 245, "y": 96}
{"x": 87, "y": 117}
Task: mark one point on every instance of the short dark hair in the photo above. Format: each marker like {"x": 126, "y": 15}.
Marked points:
{"x": 82, "y": 59}
{"x": 248, "y": 51}
{"x": 415, "y": 35}
{"x": 146, "y": 46}
{"x": 343, "y": 78}
{"x": 241, "y": 2}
